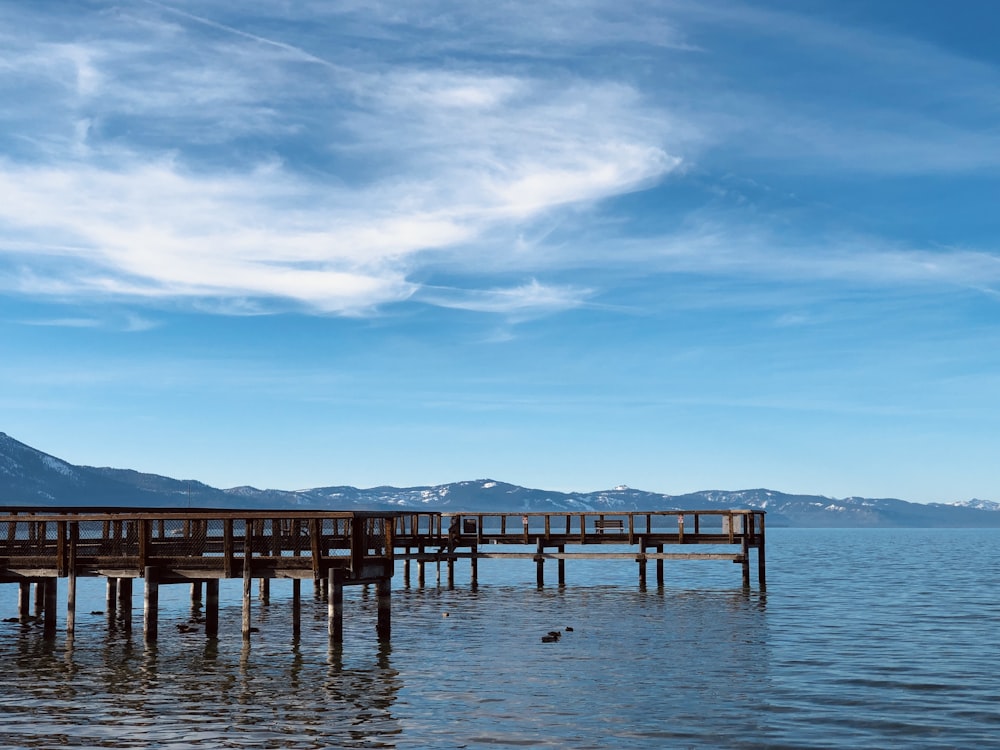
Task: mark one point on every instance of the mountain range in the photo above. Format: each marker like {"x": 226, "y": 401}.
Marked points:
{"x": 29, "y": 477}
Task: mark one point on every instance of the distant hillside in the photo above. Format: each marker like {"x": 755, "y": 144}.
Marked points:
{"x": 29, "y": 477}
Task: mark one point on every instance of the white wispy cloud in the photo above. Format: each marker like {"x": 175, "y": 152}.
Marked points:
{"x": 415, "y": 158}
{"x": 329, "y": 156}
{"x": 522, "y": 301}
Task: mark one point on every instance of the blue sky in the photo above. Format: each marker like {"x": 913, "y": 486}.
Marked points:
{"x": 680, "y": 245}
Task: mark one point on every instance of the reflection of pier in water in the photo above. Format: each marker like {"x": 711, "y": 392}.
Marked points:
{"x": 332, "y": 549}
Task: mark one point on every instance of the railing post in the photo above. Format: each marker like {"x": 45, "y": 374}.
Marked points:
{"x": 315, "y": 531}
{"x": 228, "y": 565}
{"x": 359, "y": 543}
{"x": 61, "y": 548}
{"x": 145, "y": 533}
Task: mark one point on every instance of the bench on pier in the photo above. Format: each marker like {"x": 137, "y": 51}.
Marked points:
{"x": 608, "y": 524}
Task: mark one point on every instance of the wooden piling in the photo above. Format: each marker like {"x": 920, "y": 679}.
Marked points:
{"x": 761, "y": 565}
{"x": 641, "y": 559}
{"x": 49, "y": 588}
{"x": 659, "y": 566}
{"x": 745, "y": 548}
{"x": 151, "y": 605}
{"x": 539, "y": 564}
{"x": 474, "y": 567}
{"x": 383, "y": 626}
{"x": 24, "y": 600}
{"x": 335, "y": 606}
{"x": 125, "y": 603}
{"x": 71, "y": 603}
{"x": 296, "y": 608}
{"x": 212, "y": 608}
{"x": 111, "y": 600}
{"x": 561, "y": 566}
{"x": 195, "y": 593}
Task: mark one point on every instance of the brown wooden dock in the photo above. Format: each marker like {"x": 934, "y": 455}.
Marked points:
{"x": 333, "y": 549}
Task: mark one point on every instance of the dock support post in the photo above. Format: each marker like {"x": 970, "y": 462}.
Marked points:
{"x": 264, "y": 590}
{"x": 384, "y": 602}
{"x": 71, "y": 602}
{"x": 151, "y": 605}
{"x": 195, "y": 593}
{"x": 561, "y": 566}
{"x": 212, "y": 608}
{"x": 761, "y": 572}
{"x": 246, "y": 606}
{"x": 451, "y": 572}
{"x": 125, "y": 603}
{"x": 23, "y": 600}
{"x": 39, "y": 596}
{"x": 296, "y": 608}
{"x": 641, "y": 558}
{"x": 659, "y": 567}
{"x": 745, "y": 547}
{"x": 111, "y": 601}
{"x": 474, "y": 567}
{"x": 50, "y": 587}
{"x": 406, "y": 569}
{"x": 247, "y": 581}
{"x": 335, "y": 605}
{"x": 539, "y": 565}
{"x": 420, "y": 567}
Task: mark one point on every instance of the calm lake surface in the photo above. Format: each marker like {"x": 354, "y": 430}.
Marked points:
{"x": 865, "y": 638}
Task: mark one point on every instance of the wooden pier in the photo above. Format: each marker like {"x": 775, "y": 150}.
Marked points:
{"x": 333, "y": 549}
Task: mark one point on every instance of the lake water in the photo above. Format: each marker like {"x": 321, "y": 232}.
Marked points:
{"x": 865, "y": 638}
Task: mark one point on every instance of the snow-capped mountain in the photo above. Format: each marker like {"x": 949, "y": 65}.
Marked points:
{"x": 29, "y": 477}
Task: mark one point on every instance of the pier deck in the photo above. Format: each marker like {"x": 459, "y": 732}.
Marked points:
{"x": 38, "y": 546}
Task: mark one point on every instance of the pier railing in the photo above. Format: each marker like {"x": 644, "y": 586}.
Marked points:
{"x": 589, "y": 527}
{"x": 196, "y": 544}
{"x": 334, "y": 548}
